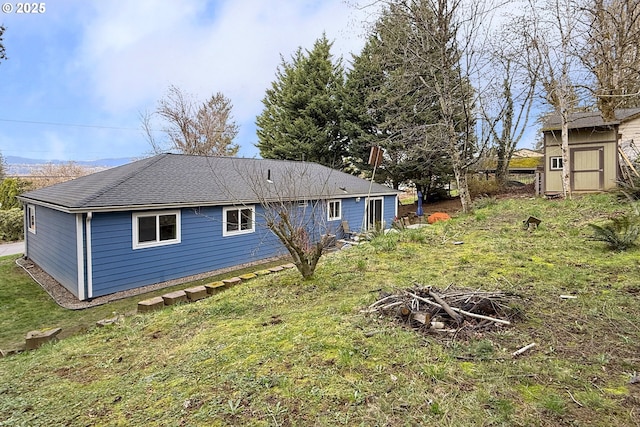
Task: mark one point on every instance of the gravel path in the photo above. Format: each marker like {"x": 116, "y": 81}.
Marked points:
{"x": 66, "y": 299}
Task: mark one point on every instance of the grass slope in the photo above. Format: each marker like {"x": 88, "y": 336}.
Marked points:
{"x": 282, "y": 351}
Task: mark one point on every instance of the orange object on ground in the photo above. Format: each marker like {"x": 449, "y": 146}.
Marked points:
{"x": 438, "y": 216}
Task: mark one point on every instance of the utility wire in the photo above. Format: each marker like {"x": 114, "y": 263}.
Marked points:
{"x": 34, "y": 122}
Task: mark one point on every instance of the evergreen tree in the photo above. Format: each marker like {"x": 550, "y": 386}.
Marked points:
{"x": 301, "y": 118}
{"x": 387, "y": 104}
{"x": 359, "y": 117}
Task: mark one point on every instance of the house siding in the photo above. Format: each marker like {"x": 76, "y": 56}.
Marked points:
{"x": 117, "y": 266}
{"x": 353, "y": 212}
{"x": 630, "y": 131}
{"x": 53, "y": 246}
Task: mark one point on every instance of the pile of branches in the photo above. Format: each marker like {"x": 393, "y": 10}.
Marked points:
{"x": 449, "y": 311}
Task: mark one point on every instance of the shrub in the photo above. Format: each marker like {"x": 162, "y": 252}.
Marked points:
{"x": 620, "y": 234}
{"x": 11, "y": 224}
{"x": 483, "y": 187}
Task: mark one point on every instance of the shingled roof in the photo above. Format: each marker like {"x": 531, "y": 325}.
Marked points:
{"x": 589, "y": 119}
{"x": 175, "y": 180}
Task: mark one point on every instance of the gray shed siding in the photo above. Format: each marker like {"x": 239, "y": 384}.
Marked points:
{"x": 53, "y": 246}
{"x": 116, "y": 266}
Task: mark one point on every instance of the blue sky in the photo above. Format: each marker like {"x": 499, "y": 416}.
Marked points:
{"x": 79, "y": 74}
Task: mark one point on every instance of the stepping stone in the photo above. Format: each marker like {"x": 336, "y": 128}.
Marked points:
{"x": 214, "y": 287}
{"x": 151, "y": 304}
{"x": 247, "y": 276}
{"x": 196, "y": 293}
{"x": 36, "y": 339}
{"x": 232, "y": 281}
{"x": 174, "y": 297}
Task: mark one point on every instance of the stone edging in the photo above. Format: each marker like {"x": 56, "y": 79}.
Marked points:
{"x": 35, "y": 339}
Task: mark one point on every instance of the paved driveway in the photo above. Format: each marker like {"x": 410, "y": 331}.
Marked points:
{"x": 11, "y": 248}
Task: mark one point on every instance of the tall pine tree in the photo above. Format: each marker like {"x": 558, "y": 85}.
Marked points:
{"x": 387, "y": 104}
{"x": 301, "y": 118}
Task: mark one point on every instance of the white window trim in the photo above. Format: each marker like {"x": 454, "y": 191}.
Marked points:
{"x": 226, "y": 233}
{"x": 332, "y": 218}
{"x": 138, "y": 245}
{"x": 31, "y": 211}
{"x": 551, "y": 161}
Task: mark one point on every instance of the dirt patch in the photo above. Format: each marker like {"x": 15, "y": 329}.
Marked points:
{"x": 449, "y": 206}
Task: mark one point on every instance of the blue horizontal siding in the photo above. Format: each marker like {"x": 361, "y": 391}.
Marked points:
{"x": 353, "y": 212}
{"x": 117, "y": 266}
{"x": 53, "y": 246}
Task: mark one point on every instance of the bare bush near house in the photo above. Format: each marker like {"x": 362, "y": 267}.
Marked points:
{"x": 54, "y": 173}
{"x": 294, "y": 212}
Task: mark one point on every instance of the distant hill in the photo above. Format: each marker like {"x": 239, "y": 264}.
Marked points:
{"x": 17, "y": 165}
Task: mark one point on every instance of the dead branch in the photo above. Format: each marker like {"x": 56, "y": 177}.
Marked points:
{"x": 459, "y": 319}
{"x": 523, "y": 349}
{"x": 463, "y": 312}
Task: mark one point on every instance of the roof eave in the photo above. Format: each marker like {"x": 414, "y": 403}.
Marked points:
{"x": 187, "y": 205}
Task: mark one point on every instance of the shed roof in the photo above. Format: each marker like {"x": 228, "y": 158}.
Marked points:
{"x": 589, "y": 119}
{"x": 174, "y": 180}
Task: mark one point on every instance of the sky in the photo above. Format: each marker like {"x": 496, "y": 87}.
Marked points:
{"x": 79, "y": 73}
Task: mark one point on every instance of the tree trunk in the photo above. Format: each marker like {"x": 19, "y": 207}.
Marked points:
{"x": 502, "y": 169}
{"x": 463, "y": 185}
{"x": 566, "y": 167}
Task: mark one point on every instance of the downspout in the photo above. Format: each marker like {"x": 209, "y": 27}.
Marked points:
{"x": 89, "y": 257}
{"x": 25, "y": 220}
{"x": 80, "y": 257}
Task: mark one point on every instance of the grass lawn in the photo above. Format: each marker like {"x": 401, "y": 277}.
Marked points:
{"x": 25, "y": 306}
{"x": 282, "y": 351}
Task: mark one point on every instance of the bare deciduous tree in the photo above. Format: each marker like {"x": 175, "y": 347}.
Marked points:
{"x": 54, "y": 173}
{"x": 611, "y": 52}
{"x": 292, "y": 210}
{"x": 191, "y": 127}
{"x": 454, "y": 32}
{"x": 551, "y": 33}
{"x": 506, "y": 104}
{"x": 3, "y": 54}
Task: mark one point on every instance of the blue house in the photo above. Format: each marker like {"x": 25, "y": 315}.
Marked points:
{"x": 172, "y": 216}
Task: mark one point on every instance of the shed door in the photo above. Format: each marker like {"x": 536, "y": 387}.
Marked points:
{"x": 587, "y": 169}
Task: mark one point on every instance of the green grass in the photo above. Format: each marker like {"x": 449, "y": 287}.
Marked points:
{"x": 282, "y": 351}
{"x": 25, "y": 306}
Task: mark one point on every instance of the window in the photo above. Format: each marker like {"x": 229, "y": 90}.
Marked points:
{"x": 31, "y": 218}
{"x": 334, "y": 210}
{"x": 556, "y": 163}
{"x": 238, "y": 220}
{"x": 156, "y": 229}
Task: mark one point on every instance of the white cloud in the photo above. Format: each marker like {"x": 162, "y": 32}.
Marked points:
{"x": 134, "y": 50}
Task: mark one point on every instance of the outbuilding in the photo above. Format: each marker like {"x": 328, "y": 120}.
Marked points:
{"x": 595, "y": 147}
